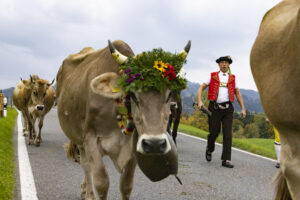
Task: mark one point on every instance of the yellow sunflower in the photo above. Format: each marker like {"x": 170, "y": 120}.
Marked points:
{"x": 160, "y": 66}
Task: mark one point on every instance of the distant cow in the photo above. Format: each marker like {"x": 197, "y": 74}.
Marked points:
{"x": 275, "y": 64}
{"x": 21, "y": 97}
{"x": 40, "y": 103}
{"x": 88, "y": 116}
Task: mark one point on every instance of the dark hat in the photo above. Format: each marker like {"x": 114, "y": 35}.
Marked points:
{"x": 224, "y": 58}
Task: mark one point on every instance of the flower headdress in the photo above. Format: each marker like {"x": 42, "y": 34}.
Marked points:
{"x": 154, "y": 69}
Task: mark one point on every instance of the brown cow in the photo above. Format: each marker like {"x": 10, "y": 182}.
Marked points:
{"x": 21, "y": 97}
{"x": 275, "y": 64}
{"x": 88, "y": 116}
{"x": 40, "y": 103}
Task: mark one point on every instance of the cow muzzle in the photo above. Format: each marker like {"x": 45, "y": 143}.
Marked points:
{"x": 156, "y": 165}
{"x": 153, "y": 144}
{"x": 39, "y": 107}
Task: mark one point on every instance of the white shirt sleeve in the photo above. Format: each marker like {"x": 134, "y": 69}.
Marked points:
{"x": 236, "y": 83}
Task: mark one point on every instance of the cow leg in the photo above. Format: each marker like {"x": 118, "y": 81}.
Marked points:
{"x": 83, "y": 188}
{"x": 33, "y": 117}
{"x": 126, "y": 179}
{"x": 25, "y": 124}
{"x": 38, "y": 138}
{"x": 169, "y": 124}
{"x": 99, "y": 173}
{"x": 177, "y": 121}
{"x": 30, "y": 126}
{"x": 290, "y": 161}
{"x": 86, "y": 186}
{"x": 175, "y": 128}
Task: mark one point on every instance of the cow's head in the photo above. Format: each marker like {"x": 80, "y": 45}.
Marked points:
{"x": 39, "y": 91}
{"x": 156, "y": 152}
{"x": 29, "y": 84}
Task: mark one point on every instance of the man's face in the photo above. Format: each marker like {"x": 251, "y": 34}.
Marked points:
{"x": 224, "y": 65}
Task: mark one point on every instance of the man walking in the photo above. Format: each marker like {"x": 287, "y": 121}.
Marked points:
{"x": 222, "y": 89}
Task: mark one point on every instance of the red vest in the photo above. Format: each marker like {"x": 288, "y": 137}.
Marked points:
{"x": 214, "y": 85}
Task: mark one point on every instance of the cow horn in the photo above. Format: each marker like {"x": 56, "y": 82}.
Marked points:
{"x": 31, "y": 79}
{"x": 118, "y": 57}
{"x": 50, "y": 83}
{"x": 186, "y": 49}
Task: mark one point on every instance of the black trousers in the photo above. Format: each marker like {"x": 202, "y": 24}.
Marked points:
{"x": 224, "y": 117}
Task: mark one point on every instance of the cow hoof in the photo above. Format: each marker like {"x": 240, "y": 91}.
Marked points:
{"x": 37, "y": 142}
{"x": 30, "y": 141}
{"x": 25, "y": 133}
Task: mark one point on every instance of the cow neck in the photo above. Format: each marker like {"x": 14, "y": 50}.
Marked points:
{"x": 124, "y": 118}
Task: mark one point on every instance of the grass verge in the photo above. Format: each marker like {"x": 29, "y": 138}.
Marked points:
{"x": 260, "y": 146}
{"x": 7, "y": 165}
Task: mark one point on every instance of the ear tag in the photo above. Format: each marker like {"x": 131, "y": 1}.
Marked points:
{"x": 114, "y": 89}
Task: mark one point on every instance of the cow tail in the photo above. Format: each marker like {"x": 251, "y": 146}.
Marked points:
{"x": 72, "y": 151}
{"x": 281, "y": 187}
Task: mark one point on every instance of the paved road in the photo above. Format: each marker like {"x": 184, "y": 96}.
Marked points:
{"x": 57, "y": 178}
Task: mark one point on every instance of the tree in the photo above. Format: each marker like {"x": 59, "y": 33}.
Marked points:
{"x": 251, "y": 131}
{"x": 236, "y": 125}
{"x": 265, "y": 129}
{"x": 239, "y": 133}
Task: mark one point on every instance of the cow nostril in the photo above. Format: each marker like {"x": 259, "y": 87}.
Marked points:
{"x": 163, "y": 145}
{"x": 40, "y": 107}
{"x": 146, "y": 144}
{"x": 156, "y": 146}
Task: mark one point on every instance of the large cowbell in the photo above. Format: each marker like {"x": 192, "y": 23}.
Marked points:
{"x": 157, "y": 167}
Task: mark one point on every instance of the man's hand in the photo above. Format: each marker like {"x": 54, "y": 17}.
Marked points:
{"x": 243, "y": 114}
{"x": 200, "y": 104}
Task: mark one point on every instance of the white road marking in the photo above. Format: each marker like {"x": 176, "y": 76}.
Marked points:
{"x": 28, "y": 190}
{"x": 236, "y": 149}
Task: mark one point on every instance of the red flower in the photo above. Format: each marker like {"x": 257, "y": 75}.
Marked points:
{"x": 170, "y": 72}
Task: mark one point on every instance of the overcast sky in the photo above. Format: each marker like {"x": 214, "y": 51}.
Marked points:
{"x": 36, "y": 35}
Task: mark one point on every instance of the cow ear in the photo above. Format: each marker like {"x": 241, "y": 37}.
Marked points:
{"x": 106, "y": 85}
{"x": 25, "y": 82}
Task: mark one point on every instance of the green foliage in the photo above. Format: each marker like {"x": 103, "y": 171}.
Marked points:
{"x": 148, "y": 76}
{"x": 239, "y": 133}
{"x": 251, "y": 131}
{"x": 236, "y": 125}
{"x": 265, "y": 129}
{"x": 197, "y": 119}
{"x": 7, "y": 166}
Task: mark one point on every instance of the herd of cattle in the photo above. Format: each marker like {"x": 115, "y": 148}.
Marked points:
{"x": 87, "y": 111}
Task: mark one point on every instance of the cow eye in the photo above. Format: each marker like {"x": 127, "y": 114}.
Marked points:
{"x": 35, "y": 93}
{"x": 133, "y": 97}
